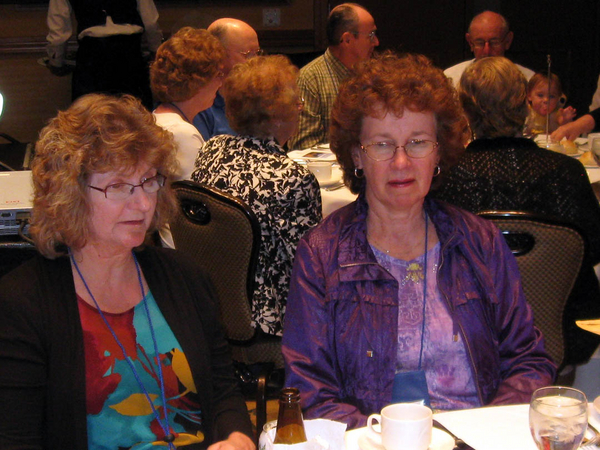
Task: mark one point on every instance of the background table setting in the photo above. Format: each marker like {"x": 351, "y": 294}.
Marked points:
{"x": 579, "y": 149}
{"x": 322, "y": 162}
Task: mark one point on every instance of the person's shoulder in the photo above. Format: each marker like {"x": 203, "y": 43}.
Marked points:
{"x": 460, "y": 220}
{"x": 332, "y": 225}
{"x": 525, "y": 71}
{"x": 35, "y": 276}
{"x": 458, "y": 69}
{"x": 312, "y": 69}
{"x": 176, "y": 125}
{"x": 222, "y": 142}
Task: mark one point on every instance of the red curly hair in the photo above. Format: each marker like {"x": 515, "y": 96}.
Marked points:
{"x": 185, "y": 63}
{"x": 390, "y": 83}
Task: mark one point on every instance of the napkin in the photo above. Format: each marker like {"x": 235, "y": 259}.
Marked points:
{"x": 321, "y": 434}
{"x": 491, "y": 428}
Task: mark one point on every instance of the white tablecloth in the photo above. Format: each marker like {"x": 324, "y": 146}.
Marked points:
{"x": 336, "y": 198}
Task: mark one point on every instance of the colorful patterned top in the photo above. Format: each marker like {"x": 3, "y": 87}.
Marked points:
{"x": 118, "y": 413}
{"x": 286, "y": 200}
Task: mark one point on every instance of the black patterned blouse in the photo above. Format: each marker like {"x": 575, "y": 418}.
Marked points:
{"x": 285, "y": 198}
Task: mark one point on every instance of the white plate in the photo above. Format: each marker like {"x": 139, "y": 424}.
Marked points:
{"x": 440, "y": 440}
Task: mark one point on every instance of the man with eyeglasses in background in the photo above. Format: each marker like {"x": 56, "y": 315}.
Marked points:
{"x": 351, "y": 36}
{"x": 488, "y": 35}
{"x": 241, "y": 43}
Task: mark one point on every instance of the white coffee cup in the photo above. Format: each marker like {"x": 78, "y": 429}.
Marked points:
{"x": 594, "y": 145}
{"x": 405, "y": 426}
{"x": 321, "y": 169}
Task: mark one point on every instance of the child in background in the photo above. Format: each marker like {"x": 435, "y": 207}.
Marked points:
{"x": 540, "y": 104}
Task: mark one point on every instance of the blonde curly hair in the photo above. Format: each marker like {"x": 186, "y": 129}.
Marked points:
{"x": 493, "y": 92}
{"x": 97, "y": 134}
{"x": 185, "y": 63}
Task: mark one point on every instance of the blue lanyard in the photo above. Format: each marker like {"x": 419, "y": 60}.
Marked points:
{"x": 424, "y": 292}
{"x": 169, "y": 437}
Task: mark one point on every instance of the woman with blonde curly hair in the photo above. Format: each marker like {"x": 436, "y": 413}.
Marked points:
{"x": 397, "y": 297}
{"x": 185, "y": 77}
{"x": 105, "y": 343}
{"x": 502, "y": 170}
{"x": 263, "y": 106}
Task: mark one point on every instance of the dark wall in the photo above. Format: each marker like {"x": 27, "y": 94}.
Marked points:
{"x": 566, "y": 30}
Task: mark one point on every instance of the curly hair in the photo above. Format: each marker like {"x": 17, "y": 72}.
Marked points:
{"x": 97, "y": 134}
{"x": 390, "y": 83}
{"x": 185, "y": 63}
{"x": 493, "y": 92}
{"x": 259, "y": 91}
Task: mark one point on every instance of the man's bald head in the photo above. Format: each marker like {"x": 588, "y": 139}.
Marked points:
{"x": 489, "y": 35}
{"x": 239, "y": 39}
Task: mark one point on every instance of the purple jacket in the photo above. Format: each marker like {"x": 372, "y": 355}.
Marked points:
{"x": 339, "y": 339}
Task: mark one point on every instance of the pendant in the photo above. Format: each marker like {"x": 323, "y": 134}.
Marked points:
{"x": 414, "y": 273}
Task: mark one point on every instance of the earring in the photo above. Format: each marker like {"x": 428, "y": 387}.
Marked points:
{"x": 437, "y": 170}
{"x": 359, "y": 173}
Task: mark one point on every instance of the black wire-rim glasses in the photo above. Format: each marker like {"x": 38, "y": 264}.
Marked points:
{"x": 121, "y": 191}
{"x": 384, "y": 151}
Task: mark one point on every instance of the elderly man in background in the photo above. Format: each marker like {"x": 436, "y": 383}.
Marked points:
{"x": 241, "y": 42}
{"x": 488, "y": 35}
{"x": 351, "y": 36}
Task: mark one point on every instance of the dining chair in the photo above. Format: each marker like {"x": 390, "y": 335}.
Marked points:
{"x": 222, "y": 234}
{"x": 549, "y": 254}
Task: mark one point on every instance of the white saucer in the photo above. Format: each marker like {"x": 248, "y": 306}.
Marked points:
{"x": 440, "y": 440}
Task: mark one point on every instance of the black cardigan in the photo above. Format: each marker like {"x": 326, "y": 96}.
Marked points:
{"x": 42, "y": 367}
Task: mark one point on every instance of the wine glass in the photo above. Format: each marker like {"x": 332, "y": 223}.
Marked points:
{"x": 558, "y": 418}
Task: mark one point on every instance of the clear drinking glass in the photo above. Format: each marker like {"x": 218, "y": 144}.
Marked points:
{"x": 558, "y": 418}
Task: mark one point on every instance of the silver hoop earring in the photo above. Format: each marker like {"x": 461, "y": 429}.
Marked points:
{"x": 359, "y": 173}
{"x": 437, "y": 171}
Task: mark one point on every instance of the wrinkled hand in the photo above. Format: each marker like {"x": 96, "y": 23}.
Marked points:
{"x": 566, "y": 115}
{"x": 60, "y": 71}
{"x": 572, "y": 130}
{"x": 235, "y": 441}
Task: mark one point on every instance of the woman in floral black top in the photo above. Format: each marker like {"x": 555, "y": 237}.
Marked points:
{"x": 263, "y": 106}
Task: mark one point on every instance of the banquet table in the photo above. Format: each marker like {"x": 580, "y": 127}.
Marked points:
{"x": 333, "y": 196}
{"x": 489, "y": 428}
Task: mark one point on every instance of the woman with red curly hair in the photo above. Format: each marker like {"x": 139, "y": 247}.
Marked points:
{"x": 397, "y": 297}
{"x": 185, "y": 77}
